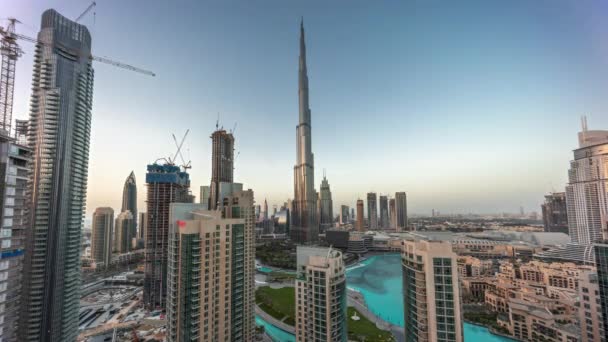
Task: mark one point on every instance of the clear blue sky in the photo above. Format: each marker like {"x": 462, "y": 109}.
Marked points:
{"x": 469, "y": 106}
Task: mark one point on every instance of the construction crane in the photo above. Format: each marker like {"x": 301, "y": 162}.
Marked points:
{"x": 91, "y": 6}
{"x": 10, "y": 51}
{"x": 185, "y": 165}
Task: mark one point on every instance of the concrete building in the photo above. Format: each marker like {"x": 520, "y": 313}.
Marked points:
{"x": 123, "y": 232}
{"x": 304, "y": 220}
{"x": 143, "y": 226}
{"x": 344, "y": 218}
{"x": 384, "y": 218}
{"x": 392, "y": 208}
{"x": 320, "y": 295}
{"x": 325, "y": 206}
{"x": 360, "y": 226}
{"x": 372, "y": 211}
{"x": 15, "y": 164}
{"x": 590, "y": 311}
{"x": 205, "y": 194}
{"x": 59, "y": 135}
{"x": 401, "y": 208}
{"x": 102, "y": 235}
{"x": 222, "y": 164}
{"x": 166, "y": 184}
{"x": 129, "y": 201}
{"x": 555, "y": 213}
{"x": 601, "y": 262}
{"x": 211, "y": 271}
{"x": 587, "y": 189}
{"x": 431, "y": 292}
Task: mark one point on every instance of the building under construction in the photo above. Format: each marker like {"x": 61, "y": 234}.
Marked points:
{"x": 222, "y": 164}
{"x": 166, "y": 184}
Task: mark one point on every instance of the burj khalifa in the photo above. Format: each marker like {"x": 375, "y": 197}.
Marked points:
{"x": 305, "y": 224}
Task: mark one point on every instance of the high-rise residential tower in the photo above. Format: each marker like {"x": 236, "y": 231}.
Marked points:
{"x": 431, "y": 293}
{"x": 344, "y": 219}
{"x": 123, "y": 232}
{"x": 129, "y": 201}
{"x": 587, "y": 189}
{"x": 555, "y": 213}
{"x": 222, "y": 164}
{"x": 101, "y": 235}
{"x": 59, "y": 134}
{"x": 205, "y": 195}
{"x": 590, "y": 311}
{"x": 401, "y": 209}
{"x": 392, "y": 206}
{"x": 305, "y": 223}
{"x": 372, "y": 210}
{"x": 326, "y": 205}
{"x": 213, "y": 253}
{"x": 384, "y": 223}
{"x": 601, "y": 264}
{"x": 360, "y": 226}
{"x": 320, "y": 295}
{"x": 143, "y": 226}
{"x": 166, "y": 184}
{"x": 15, "y": 163}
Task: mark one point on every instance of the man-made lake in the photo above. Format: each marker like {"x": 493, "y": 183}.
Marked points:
{"x": 378, "y": 279}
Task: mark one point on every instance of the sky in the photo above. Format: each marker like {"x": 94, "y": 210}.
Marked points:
{"x": 468, "y": 106}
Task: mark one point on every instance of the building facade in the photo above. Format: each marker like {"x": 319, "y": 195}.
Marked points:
{"x": 372, "y": 211}
{"x": 601, "y": 263}
{"x": 15, "y": 163}
{"x": 392, "y": 208}
{"x": 205, "y": 195}
{"x": 401, "y": 210}
{"x": 325, "y": 206}
{"x": 431, "y": 293}
{"x": 320, "y": 295}
{"x": 304, "y": 220}
{"x": 123, "y": 232}
{"x": 587, "y": 189}
{"x": 344, "y": 214}
{"x": 129, "y": 200}
{"x": 166, "y": 184}
{"x": 212, "y": 265}
{"x": 59, "y": 135}
{"x": 142, "y": 226}
{"x": 360, "y": 224}
{"x": 222, "y": 164}
{"x": 101, "y": 235}
{"x": 590, "y": 311}
{"x": 555, "y": 213}
{"x": 384, "y": 217}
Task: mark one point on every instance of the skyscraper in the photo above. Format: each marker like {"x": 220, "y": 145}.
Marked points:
{"x": 590, "y": 312}
{"x": 143, "y": 226}
{"x": 222, "y": 164}
{"x": 431, "y": 293}
{"x": 59, "y": 134}
{"x": 166, "y": 184}
{"x": 305, "y": 224}
{"x": 212, "y": 252}
{"x": 344, "y": 214}
{"x": 265, "y": 213}
{"x": 326, "y": 205}
{"x": 320, "y": 295}
{"x": 123, "y": 232}
{"x": 601, "y": 264}
{"x": 401, "y": 208}
{"x": 101, "y": 235}
{"x": 360, "y": 225}
{"x": 129, "y": 201}
{"x": 372, "y": 210}
{"x": 587, "y": 190}
{"x": 555, "y": 213}
{"x": 205, "y": 195}
{"x": 15, "y": 163}
{"x": 392, "y": 206}
{"x": 384, "y": 223}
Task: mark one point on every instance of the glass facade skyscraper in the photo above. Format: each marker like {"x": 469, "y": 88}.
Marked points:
{"x": 59, "y": 134}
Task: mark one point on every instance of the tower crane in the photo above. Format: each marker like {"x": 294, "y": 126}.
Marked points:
{"x": 10, "y": 51}
{"x": 93, "y": 4}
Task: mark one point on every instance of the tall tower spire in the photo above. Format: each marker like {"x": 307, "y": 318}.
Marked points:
{"x": 304, "y": 217}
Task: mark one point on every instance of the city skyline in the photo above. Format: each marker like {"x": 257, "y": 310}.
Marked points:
{"x": 520, "y": 130}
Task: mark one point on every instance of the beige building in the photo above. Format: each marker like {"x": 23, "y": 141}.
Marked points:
{"x": 359, "y": 223}
{"x": 529, "y": 321}
{"x": 123, "y": 230}
{"x": 590, "y": 311}
{"x": 101, "y": 235}
{"x": 431, "y": 292}
{"x": 469, "y": 266}
{"x": 211, "y": 271}
{"x": 320, "y": 295}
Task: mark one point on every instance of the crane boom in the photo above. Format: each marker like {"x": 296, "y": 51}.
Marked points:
{"x": 93, "y": 4}
{"x": 95, "y": 58}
